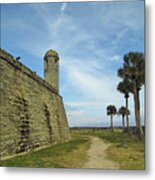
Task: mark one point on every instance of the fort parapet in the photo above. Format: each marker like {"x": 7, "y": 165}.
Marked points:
{"x": 32, "y": 113}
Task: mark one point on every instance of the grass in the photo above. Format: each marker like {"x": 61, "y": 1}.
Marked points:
{"x": 130, "y": 157}
{"x": 66, "y": 155}
{"x": 124, "y": 149}
{"x": 127, "y": 151}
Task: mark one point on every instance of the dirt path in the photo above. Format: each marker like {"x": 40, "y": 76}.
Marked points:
{"x": 97, "y": 155}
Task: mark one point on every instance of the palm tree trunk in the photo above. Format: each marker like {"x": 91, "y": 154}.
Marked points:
{"x": 127, "y": 117}
{"x": 123, "y": 123}
{"x": 111, "y": 118}
{"x": 139, "y": 130}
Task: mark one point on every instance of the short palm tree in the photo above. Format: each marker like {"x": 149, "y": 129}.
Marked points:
{"x": 111, "y": 110}
{"x": 123, "y": 111}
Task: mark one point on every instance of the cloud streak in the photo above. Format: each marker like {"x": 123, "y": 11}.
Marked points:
{"x": 63, "y": 7}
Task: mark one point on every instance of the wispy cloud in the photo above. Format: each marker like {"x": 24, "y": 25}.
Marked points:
{"x": 63, "y": 7}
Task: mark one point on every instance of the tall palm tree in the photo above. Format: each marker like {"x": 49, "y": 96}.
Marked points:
{"x": 134, "y": 70}
{"x": 111, "y": 110}
{"x": 124, "y": 111}
{"x": 125, "y": 87}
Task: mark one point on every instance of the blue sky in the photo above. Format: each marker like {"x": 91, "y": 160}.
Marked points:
{"x": 91, "y": 39}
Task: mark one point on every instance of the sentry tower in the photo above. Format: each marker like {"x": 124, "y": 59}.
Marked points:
{"x": 51, "y": 69}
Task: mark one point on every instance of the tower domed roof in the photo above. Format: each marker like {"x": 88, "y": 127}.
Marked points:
{"x": 51, "y": 52}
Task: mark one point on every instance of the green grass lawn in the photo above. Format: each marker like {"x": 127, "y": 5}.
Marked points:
{"x": 127, "y": 151}
{"x": 69, "y": 155}
{"x": 124, "y": 149}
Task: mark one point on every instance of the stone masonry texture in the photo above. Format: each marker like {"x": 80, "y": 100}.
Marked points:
{"x": 51, "y": 69}
{"x": 32, "y": 113}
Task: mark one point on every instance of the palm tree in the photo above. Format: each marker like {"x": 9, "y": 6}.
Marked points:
{"x": 125, "y": 87}
{"x": 134, "y": 70}
{"x": 124, "y": 111}
{"x": 111, "y": 110}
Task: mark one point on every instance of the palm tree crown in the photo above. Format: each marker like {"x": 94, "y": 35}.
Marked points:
{"x": 111, "y": 110}
{"x": 125, "y": 87}
{"x": 123, "y": 111}
{"x": 133, "y": 68}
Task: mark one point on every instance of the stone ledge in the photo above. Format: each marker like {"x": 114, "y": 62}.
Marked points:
{"x": 18, "y": 65}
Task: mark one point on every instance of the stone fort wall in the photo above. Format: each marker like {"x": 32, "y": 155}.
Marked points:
{"x": 32, "y": 113}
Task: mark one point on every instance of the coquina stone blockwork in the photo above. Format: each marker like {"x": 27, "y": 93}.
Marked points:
{"x": 32, "y": 113}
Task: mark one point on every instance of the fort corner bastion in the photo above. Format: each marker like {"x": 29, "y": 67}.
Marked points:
{"x": 32, "y": 113}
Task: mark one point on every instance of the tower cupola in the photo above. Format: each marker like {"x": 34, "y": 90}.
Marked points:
{"x": 51, "y": 69}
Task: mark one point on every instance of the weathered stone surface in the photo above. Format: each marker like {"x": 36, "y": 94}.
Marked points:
{"x": 51, "y": 69}
{"x": 32, "y": 113}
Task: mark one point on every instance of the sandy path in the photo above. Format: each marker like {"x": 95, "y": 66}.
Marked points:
{"x": 97, "y": 157}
